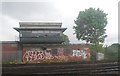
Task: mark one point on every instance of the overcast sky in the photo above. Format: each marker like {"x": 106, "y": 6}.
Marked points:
{"x": 65, "y": 11}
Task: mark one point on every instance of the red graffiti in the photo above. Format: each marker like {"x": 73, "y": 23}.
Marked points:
{"x": 41, "y": 56}
{"x": 36, "y": 55}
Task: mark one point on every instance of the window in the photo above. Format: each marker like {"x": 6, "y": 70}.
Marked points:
{"x": 40, "y": 31}
{"x": 37, "y": 31}
{"x": 55, "y": 31}
{"x": 34, "y": 32}
{"x": 46, "y": 31}
{"x": 25, "y": 31}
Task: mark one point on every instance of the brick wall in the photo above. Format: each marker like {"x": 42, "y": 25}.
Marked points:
{"x": 10, "y": 51}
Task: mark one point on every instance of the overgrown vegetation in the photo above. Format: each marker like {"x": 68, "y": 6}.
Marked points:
{"x": 113, "y": 52}
{"x": 96, "y": 48}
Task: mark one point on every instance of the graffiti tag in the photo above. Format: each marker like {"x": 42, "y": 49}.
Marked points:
{"x": 81, "y": 53}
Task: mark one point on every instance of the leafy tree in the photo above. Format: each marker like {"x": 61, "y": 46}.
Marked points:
{"x": 90, "y": 26}
{"x": 65, "y": 39}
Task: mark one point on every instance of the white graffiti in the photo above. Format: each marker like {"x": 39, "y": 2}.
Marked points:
{"x": 80, "y": 53}
{"x": 37, "y": 55}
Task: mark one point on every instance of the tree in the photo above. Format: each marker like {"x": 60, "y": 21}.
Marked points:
{"x": 65, "y": 39}
{"x": 90, "y": 26}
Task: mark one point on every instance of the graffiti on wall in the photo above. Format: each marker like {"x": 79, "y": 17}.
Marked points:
{"x": 36, "y": 55}
{"x": 84, "y": 54}
{"x": 39, "y": 55}
{"x": 42, "y": 55}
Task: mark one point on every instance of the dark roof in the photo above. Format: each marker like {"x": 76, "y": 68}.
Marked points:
{"x": 34, "y": 28}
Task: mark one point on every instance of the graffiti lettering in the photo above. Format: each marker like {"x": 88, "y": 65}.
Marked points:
{"x": 81, "y": 53}
{"x": 39, "y": 56}
{"x": 36, "y": 55}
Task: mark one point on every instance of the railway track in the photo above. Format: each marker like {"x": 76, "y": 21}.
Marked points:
{"x": 63, "y": 70}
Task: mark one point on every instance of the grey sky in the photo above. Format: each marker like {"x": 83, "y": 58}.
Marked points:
{"x": 55, "y": 11}
{"x": 30, "y": 11}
